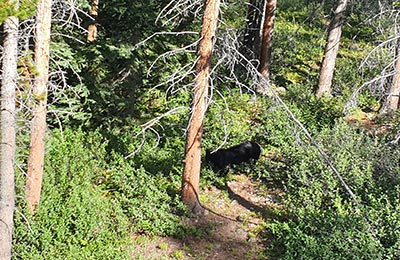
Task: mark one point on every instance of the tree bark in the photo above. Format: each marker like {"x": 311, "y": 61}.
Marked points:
{"x": 267, "y": 32}
{"x": 92, "y": 30}
{"x": 38, "y": 123}
{"x": 392, "y": 102}
{"x": 191, "y": 173}
{"x": 7, "y": 169}
{"x": 331, "y": 50}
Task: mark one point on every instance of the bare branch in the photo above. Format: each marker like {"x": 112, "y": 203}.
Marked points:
{"x": 382, "y": 56}
{"x": 162, "y": 33}
{"x": 177, "y": 8}
{"x": 149, "y": 126}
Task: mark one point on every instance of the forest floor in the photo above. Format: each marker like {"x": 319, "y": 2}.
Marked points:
{"x": 231, "y": 227}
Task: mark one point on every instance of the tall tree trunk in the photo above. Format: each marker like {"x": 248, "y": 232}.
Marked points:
{"x": 392, "y": 102}
{"x": 191, "y": 173}
{"x": 38, "y": 123}
{"x": 92, "y": 30}
{"x": 267, "y": 32}
{"x": 331, "y": 50}
{"x": 7, "y": 183}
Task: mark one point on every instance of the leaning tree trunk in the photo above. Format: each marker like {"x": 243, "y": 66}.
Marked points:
{"x": 7, "y": 183}
{"x": 392, "y": 102}
{"x": 38, "y": 123}
{"x": 191, "y": 173}
{"x": 267, "y": 32}
{"x": 331, "y": 50}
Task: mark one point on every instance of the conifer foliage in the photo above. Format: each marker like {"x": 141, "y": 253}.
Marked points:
{"x": 108, "y": 109}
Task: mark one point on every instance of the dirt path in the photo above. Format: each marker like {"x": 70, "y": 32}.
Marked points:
{"x": 229, "y": 230}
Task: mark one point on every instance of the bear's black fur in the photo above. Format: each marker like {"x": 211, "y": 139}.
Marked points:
{"x": 244, "y": 152}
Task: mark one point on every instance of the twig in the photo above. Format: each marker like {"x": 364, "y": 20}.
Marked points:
{"x": 26, "y": 220}
{"x": 149, "y": 126}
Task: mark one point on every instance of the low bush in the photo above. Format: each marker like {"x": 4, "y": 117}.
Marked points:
{"x": 321, "y": 219}
{"x": 92, "y": 200}
{"x": 75, "y": 219}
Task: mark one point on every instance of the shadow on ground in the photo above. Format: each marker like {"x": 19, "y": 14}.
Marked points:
{"x": 230, "y": 228}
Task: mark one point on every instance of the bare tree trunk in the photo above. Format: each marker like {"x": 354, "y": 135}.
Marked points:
{"x": 7, "y": 182}
{"x": 92, "y": 30}
{"x": 267, "y": 32}
{"x": 38, "y": 123}
{"x": 331, "y": 50}
{"x": 392, "y": 102}
{"x": 191, "y": 173}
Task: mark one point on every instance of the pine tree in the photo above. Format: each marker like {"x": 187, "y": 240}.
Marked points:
{"x": 191, "y": 173}
{"x": 38, "y": 123}
{"x": 8, "y": 129}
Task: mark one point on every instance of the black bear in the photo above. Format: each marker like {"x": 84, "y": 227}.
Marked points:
{"x": 244, "y": 152}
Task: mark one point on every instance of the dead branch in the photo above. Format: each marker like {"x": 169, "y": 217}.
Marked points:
{"x": 178, "y": 8}
{"x": 150, "y": 126}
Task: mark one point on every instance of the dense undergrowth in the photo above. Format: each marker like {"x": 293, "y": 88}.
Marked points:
{"x": 93, "y": 201}
{"x": 322, "y": 220}
{"x": 99, "y": 188}
{"x": 94, "y": 198}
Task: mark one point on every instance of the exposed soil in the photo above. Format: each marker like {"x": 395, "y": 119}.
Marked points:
{"x": 230, "y": 228}
{"x": 369, "y": 123}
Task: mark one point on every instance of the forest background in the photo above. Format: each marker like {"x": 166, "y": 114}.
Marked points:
{"x": 118, "y": 106}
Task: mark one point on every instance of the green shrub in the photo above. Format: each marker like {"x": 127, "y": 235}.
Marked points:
{"x": 149, "y": 199}
{"x": 75, "y": 219}
{"x": 93, "y": 199}
{"x": 321, "y": 219}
